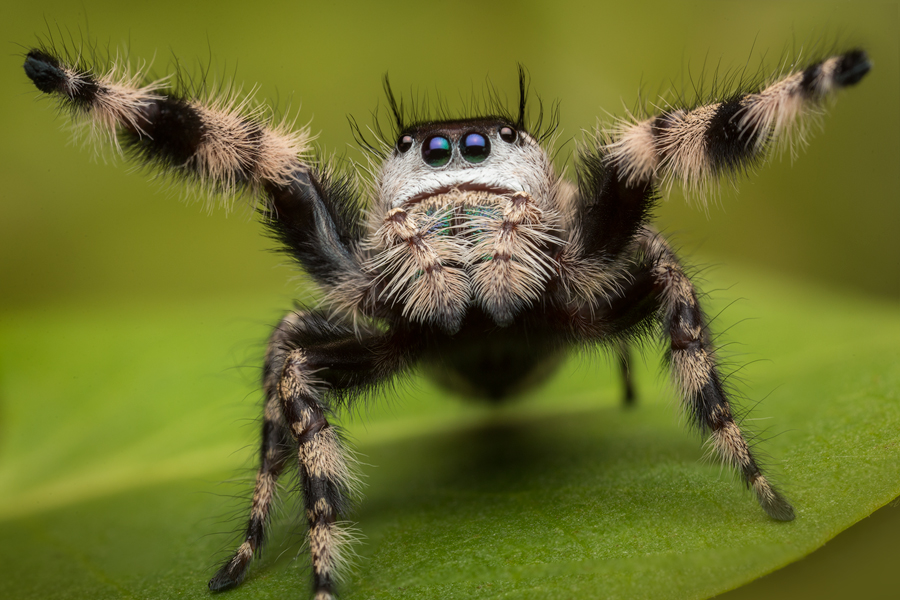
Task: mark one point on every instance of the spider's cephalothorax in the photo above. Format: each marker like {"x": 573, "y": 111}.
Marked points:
{"x": 473, "y": 260}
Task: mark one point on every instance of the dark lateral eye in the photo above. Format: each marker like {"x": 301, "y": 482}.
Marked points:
{"x": 437, "y": 151}
{"x": 508, "y": 134}
{"x": 404, "y": 143}
{"x": 474, "y": 147}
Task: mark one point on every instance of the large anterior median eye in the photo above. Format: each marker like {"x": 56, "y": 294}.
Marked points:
{"x": 474, "y": 147}
{"x": 437, "y": 151}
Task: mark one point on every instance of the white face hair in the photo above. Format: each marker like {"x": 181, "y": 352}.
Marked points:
{"x": 489, "y": 155}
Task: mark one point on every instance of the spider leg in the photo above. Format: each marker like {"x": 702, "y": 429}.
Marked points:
{"x": 312, "y": 363}
{"x": 274, "y": 454}
{"x": 694, "y": 368}
{"x": 228, "y": 146}
{"x": 618, "y": 177}
{"x": 624, "y": 354}
{"x": 694, "y": 146}
{"x": 657, "y": 289}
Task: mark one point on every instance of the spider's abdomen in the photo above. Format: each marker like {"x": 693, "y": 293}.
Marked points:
{"x": 438, "y": 256}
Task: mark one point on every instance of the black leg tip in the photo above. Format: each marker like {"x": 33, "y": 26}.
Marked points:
{"x": 629, "y": 398}
{"x": 778, "y": 508}
{"x": 44, "y": 71}
{"x": 225, "y": 580}
{"x": 852, "y": 67}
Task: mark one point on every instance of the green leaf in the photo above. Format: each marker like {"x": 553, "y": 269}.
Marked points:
{"x": 123, "y": 429}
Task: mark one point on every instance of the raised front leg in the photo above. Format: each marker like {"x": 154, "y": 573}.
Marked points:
{"x": 313, "y": 365}
{"x": 692, "y": 146}
{"x": 619, "y": 175}
{"x": 228, "y": 146}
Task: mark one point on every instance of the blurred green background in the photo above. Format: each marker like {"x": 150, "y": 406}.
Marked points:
{"x": 78, "y": 234}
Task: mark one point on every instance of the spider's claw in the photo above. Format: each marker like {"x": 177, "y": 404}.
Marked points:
{"x": 852, "y": 67}
{"x": 771, "y": 501}
{"x": 45, "y": 72}
{"x": 223, "y": 580}
{"x": 778, "y": 507}
{"x": 232, "y": 573}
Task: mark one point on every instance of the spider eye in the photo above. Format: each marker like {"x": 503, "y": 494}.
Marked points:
{"x": 475, "y": 147}
{"x": 508, "y": 134}
{"x": 404, "y": 143}
{"x": 437, "y": 151}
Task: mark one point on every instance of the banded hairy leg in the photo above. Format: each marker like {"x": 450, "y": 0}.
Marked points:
{"x": 313, "y": 366}
{"x": 693, "y": 146}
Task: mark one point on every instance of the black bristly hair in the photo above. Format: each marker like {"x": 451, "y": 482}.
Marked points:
{"x": 612, "y": 211}
{"x": 523, "y": 96}
{"x": 344, "y": 210}
{"x": 407, "y": 117}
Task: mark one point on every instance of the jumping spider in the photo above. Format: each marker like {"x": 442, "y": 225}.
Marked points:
{"x": 470, "y": 256}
